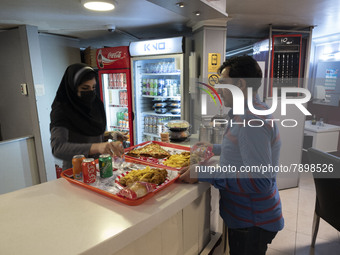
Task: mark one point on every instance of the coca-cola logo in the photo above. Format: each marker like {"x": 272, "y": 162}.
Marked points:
{"x": 91, "y": 169}
{"x": 117, "y": 54}
{"x": 92, "y": 173}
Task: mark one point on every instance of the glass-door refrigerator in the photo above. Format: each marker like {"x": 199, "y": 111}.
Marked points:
{"x": 157, "y": 82}
{"x": 115, "y": 89}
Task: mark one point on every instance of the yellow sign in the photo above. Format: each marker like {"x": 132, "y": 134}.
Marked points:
{"x": 214, "y": 62}
{"x": 213, "y": 79}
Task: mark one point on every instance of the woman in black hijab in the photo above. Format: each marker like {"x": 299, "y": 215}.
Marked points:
{"x": 78, "y": 118}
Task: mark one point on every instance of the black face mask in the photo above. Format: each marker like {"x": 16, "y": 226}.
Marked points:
{"x": 88, "y": 96}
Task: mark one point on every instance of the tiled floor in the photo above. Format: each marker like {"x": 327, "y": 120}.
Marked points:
{"x": 298, "y": 211}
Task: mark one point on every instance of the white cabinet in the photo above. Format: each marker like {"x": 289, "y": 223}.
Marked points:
{"x": 325, "y": 138}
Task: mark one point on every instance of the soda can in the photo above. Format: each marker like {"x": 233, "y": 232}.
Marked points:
{"x": 120, "y": 80}
{"x": 147, "y": 87}
{"x": 88, "y": 167}
{"x": 110, "y": 80}
{"x": 76, "y": 165}
{"x": 152, "y": 87}
{"x": 114, "y": 77}
{"x": 124, "y": 81}
{"x": 105, "y": 165}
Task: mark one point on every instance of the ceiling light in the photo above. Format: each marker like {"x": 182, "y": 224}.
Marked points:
{"x": 181, "y": 4}
{"x": 99, "y": 5}
{"x": 197, "y": 13}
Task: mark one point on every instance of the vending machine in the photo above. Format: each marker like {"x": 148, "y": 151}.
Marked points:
{"x": 157, "y": 81}
{"x": 115, "y": 89}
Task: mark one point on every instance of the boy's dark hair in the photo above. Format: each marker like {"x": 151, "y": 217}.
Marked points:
{"x": 244, "y": 67}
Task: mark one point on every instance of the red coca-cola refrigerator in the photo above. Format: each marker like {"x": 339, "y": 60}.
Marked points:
{"x": 115, "y": 89}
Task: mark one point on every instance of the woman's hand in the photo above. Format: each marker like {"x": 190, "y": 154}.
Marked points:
{"x": 112, "y": 148}
{"x": 118, "y": 136}
{"x": 121, "y": 137}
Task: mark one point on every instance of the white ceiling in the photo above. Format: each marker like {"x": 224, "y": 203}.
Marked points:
{"x": 142, "y": 19}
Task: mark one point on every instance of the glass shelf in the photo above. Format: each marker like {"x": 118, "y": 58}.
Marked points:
{"x": 118, "y": 106}
{"x": 120, "y": 128}
{"x": 161, "y": 97}
{"x": 151, "y": 134}
{"x": 159, "y": 74}
{"x": 162, "y": 114}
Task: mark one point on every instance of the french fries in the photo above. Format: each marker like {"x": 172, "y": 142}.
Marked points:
{"x": 178, "y": 160}
{"x": 151, "y": 175}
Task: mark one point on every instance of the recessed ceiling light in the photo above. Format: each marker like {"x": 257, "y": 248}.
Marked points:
{"x": 99, "y": 5}
{"x": 180, "y": 4}
{"x": 197, "y": 13}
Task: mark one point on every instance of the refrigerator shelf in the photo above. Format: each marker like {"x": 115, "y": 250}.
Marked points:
{"x": 162, "y": 97}
{"x": 120, "y": 128}
{"x": 160, "y": 74}
{"x": 119, "y": 106}
{"x": 113, "y": 88}
{"x": 151, "y": 134}
{"x": 162, "y": 114}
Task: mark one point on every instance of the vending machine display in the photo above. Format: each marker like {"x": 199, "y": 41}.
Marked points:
{"x": 286, "y": 61}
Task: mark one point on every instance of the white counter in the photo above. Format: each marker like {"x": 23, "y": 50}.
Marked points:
{"x": 19, "y": 166}
{"x": 59, "y": 217}
{"x": 325, "y": 137}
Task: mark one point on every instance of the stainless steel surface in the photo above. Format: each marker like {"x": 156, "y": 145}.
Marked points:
{"x": 217, "y": 135}
{"x": 205, "y": 134}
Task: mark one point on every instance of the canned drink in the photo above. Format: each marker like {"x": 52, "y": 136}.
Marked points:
{"x": 155, "y": 87}
{"x": 110, "y": 80}
{"x": 152, "y": 87}
{"x": 88, "y": 167}
{"x": 114, "y": 78}
{"x": 120, "y": 80}
{"x": 105, "y": 165}
{"x": 147, "y": 87}
{"x": 124, "y": 80}
{"x": 76, "y": 166}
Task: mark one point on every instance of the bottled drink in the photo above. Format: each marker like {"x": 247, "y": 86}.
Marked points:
{"x": 171, "y": 90}
{"x": 158, "y": 67}
{"x": 168, "y": 87}
{"x": 160, "y": 87}
{"x": 174, "y": 88}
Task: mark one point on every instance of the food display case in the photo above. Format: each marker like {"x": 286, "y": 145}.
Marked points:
{"x": 115, "y": 89}
{"x": 157, "y": 81}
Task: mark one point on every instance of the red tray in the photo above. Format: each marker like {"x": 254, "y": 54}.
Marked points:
{"x": 69, "y": 172}
{"x": 159, "y": 165}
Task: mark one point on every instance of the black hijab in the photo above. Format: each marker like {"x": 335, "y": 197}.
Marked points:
{"x": 69, "y": 111}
